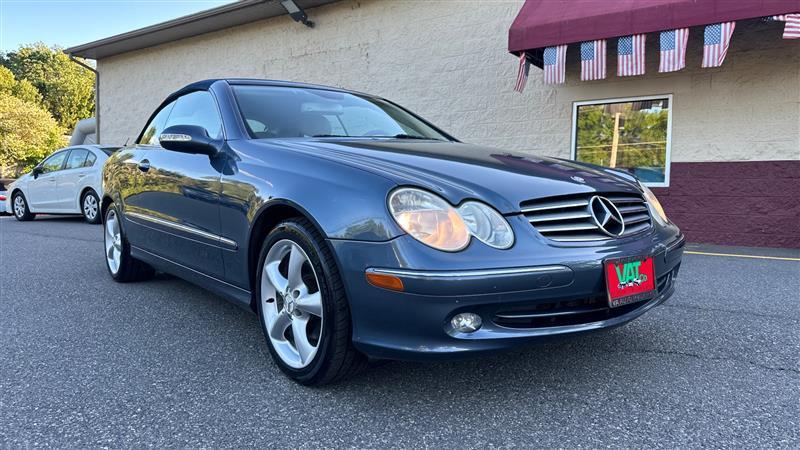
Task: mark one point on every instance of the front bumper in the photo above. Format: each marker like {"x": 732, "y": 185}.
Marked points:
{"x": 535, "y": 291}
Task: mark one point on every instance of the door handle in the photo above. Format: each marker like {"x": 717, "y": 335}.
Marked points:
{"x": 81, "y": 175}
{"x": 144, "y": 165}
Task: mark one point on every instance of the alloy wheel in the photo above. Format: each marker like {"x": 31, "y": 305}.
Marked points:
{"x": 90, "y": 206}
{"x": 291, "y": 304}
{"x": 113, "y": 241}
{"x": 19, "y": 206}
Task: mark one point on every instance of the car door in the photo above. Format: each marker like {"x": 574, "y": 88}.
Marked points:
{"x": 176, "y": 207}
{"x": 70, "y": 180}
{"x": 42, "y": 190}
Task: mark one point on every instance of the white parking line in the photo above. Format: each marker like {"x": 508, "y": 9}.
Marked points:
{"x": 733, "y": 255}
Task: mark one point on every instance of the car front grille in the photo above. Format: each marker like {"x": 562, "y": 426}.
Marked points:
{"x": 568, "y": 218}
{"x": 573, "y": 311}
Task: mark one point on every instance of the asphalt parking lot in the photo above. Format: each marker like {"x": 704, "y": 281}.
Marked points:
{"x": 88, "y": 362}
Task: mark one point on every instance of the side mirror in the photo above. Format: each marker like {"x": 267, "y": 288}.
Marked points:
{"x": 189, "y": 139}
{"x": 36, "y": 171}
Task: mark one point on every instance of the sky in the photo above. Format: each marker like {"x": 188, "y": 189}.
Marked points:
{"x": 71, "y": 22}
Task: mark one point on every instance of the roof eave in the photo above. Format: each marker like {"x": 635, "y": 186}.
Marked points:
{"x": 215, "y": 19}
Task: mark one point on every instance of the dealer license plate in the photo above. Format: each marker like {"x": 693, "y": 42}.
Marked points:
{"x": 630, "y": 280}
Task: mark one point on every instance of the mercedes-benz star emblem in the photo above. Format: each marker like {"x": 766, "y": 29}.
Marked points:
{"x": 606, "y": 216}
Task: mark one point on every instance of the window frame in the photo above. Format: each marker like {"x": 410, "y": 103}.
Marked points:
{"x": 63, "y": 163}
{"x": 603, "y": 101}
{"x": 150, "y": 120}
{"x": 91, "y": 154}
{"x": 88, "y": 152}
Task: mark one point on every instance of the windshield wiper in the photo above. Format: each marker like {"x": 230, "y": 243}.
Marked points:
{"x": 329, "y": 135}
{"x": 407, "y": 136}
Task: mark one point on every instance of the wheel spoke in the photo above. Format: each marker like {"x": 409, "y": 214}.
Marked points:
{"x": 310, "y": 303}
{"x": 275, "y": 277}
{"x": 296, "y": 260}
{"x": 301, "y": 343}
{"x": 110, "y": 228}
{"x": 277, "y": 326}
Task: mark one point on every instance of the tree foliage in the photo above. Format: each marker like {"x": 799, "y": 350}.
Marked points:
{"x": 67, "y": 89}
{"x": 28, "y": 133}
{"x": 22, "y": 89}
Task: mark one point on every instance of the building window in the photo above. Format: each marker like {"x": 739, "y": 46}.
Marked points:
{"x": 632, "y": 134}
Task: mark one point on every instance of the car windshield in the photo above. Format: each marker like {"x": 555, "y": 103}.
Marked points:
{"x": 289, "y": 112}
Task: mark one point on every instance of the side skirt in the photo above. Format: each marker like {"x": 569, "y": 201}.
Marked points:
{"x": 236, "y": 295}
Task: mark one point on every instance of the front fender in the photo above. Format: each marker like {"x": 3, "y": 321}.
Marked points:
{"x": 345, "y": 202}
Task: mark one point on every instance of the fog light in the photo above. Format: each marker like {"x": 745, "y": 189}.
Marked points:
{"x": 466, "y": 322}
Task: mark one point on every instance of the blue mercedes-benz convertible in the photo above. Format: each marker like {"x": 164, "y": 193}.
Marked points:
{"x": 356, "y": 229}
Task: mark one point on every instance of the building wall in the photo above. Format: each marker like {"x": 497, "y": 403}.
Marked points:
{"x": 447, "y": 61}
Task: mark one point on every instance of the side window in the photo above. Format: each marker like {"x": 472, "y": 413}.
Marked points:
{"x": 54, "y": 162}
{"x": 154, "y": 128}
{"x": 77, "y": 158}
{"x": 90, "y": 160}
{"x": 197, "y": 108}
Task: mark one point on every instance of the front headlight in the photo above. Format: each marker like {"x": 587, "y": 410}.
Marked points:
{"x": 487, "y": 225}
{"x": 656, "y": 209}
{"x": 429, "y": 219}
{"x": 432, "y": 221}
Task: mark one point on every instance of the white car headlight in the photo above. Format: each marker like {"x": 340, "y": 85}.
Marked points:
{"x": 429, "y": 219}
{"x": 656, "y": 210}
{"x": 487, "y": 225}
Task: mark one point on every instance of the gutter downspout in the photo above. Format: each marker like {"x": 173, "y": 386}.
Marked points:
{"x": 96, "y": 95}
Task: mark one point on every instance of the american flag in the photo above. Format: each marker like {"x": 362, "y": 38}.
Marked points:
{"x": 673, "y": 50}
{"x": 792, "y": 28}
{"x": 554, "y": 64}
{"x": 630, "y": 55}
{"x": 522, "y": 72}
{"x": 716, "y": 40}
{"x": 593, "y": 60}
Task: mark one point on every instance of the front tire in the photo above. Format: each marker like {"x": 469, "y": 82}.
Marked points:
{"x": 90, "y": 206}
{"x": 303, "y": 308}
{"x": 20, "y": 206}
{"x": 120, "y": 264}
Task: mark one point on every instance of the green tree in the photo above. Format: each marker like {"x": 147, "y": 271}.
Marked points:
{"x": 67, "y": 89}
{"x": 28, "y": 133}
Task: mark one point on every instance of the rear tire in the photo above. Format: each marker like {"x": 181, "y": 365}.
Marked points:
{"x": 90, "y": 207}
{"x": 284, "y": 302}
{"x": 121, "y": 265}
{"x": 20, "y": 208}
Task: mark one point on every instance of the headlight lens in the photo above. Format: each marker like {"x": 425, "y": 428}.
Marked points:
{"x": 432, "y": 221}
{"x": 655, "y": 206}
{"x": 429, "y": 219}
{"x": 487, "y": 225}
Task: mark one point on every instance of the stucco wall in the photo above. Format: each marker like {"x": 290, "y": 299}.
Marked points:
{"x": 447, "y": 61}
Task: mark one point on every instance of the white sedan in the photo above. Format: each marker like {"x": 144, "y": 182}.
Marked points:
{"x": 66, "y": 182}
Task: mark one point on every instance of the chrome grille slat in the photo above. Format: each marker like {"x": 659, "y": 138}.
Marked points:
{"x": 556, "y": 205}
{"x": 630, "y": 220}
{"x": 561, "y": 216}
{"x": 623, "y": 199}
{"x": 568, "y": 227}
{"x": 568, "y": 219}
{"x": 631, "y": 209}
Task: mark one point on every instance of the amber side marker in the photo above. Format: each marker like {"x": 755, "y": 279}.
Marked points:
{"x": 384, "y": 281}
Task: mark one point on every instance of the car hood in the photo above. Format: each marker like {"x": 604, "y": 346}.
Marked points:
{"x": 460, "y": 171}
